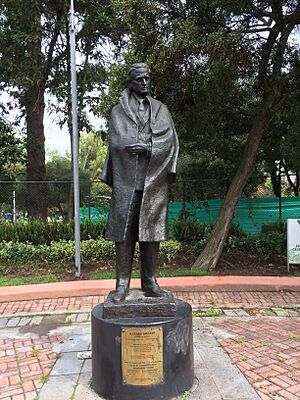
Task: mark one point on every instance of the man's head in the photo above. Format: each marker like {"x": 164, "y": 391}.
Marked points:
{"x": 138, "y": 79}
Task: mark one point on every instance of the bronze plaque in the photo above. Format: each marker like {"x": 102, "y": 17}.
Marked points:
{"x": 142, "y": 356}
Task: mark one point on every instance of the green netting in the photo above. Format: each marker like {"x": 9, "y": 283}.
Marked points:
{"x": 93, "y": 214}
{"x": 250, "y": 214}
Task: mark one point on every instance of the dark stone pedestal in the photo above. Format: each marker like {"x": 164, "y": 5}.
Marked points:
{"x": 142, "y": 358}
{"x": 138, "y": 305}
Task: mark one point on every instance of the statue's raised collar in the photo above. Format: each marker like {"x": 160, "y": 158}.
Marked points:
{"x": 124, "y": 102}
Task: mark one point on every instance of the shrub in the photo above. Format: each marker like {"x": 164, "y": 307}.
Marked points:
{"x": 262, "y": 243}
{"x": 39, "y": 232}
{"x": 196, "y": 249}
{"x": 169, "y": 249}
{"x": 236, "y": 230}
{"x": 63, "y": 251}
{"x": 278, "y": 226}
{"x": 189, "y": 230}
{"x": 95, "y": 249}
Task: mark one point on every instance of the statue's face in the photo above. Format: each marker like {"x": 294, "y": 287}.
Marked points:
{"x": 140, "y": 82}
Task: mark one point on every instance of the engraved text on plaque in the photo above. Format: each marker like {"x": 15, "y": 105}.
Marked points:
{"x": 142, "y": 356}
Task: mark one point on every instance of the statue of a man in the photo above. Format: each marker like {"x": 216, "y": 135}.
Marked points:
{"x": 140, "y": 163}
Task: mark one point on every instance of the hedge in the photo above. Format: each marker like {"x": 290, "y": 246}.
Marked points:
{"x": 63, "y": 251}
{"x": 38, "y": 232}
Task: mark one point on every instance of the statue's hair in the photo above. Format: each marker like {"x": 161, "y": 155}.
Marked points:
{"x": 134, "y": 67}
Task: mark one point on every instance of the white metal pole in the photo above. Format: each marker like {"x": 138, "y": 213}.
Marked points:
{"x": 75, "y": 141}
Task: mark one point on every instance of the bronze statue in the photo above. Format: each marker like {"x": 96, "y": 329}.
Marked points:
{"x": 140, "y": 163}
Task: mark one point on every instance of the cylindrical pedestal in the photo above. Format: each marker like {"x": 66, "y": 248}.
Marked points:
{"x": 121, "y": 353}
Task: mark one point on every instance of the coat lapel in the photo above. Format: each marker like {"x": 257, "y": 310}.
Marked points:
{"x": 154, "y": 107}
{"x": 124, "y": 102}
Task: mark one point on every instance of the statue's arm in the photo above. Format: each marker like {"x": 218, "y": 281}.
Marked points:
{"x": 107, "y": 172}
{"x": 172, "y": 172}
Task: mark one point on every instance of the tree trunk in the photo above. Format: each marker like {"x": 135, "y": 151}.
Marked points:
{"x": 294, "y": 185}
{"x": 36, "y": 196}
{"x": 209, "y": 257}
{"x": 276, "y": 181}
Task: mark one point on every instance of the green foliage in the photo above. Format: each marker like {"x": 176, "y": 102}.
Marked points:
{"x": 197, "y": 248}
{"x": 92, "y": 154}
{"x": 96, "y": 249}
{"x": 276, "y": 227}
{"x": 9, "y": 281}
{"x": 236, "y": 230}
{"x": 189, "y": 230}
{"x": 186, "y": 395}
{"x": 56, "y": 253}
{"x": 208, "y": 312}
{"x": 169, "y": 249}
{"x": 38, "y": 232}
{"x": 163, "y": 272}
{"x": 263, "y": 243}
{"x": 11, "y": 152}
{"x": 63, "y": 251}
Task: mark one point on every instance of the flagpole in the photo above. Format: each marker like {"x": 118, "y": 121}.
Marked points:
{"x": 75, "y": 141}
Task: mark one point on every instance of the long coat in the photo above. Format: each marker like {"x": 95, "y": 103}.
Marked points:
{"x": 120, "y": 171}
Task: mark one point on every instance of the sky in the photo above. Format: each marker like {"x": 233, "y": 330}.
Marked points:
{"x": 56, "y": 138}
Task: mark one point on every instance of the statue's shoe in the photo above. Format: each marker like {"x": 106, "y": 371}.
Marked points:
{"x": 120, "y": 294}
{"x": 154, "y": 291}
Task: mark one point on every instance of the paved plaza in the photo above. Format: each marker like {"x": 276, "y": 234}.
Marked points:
{"x": 246, "y": 344}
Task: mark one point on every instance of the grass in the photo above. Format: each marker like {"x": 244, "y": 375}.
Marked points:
{"x": 69, "y": 320}
{"x": 33, "y": 279}
{"x": 105, "y": 275}
{"x": 7, "y": 281}
{"x": 239, "y": 341}
{"x": 186, "y": 395}
{"x": 264, "y": 344}
{"x": 35, "y": 352}
{"x": 162, "y": 273}
{"x": 45, "y": 378}
{"x": 208, "y": 312}
{"x": 294, "y": 337}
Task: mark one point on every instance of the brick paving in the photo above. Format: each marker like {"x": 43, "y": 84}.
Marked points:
{"x": 223, "y": 299}
{"x": 267, "y": 351}
{"x": 25, "y": 365}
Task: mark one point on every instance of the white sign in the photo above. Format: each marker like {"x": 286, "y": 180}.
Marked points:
{"x": 293, "y": 241}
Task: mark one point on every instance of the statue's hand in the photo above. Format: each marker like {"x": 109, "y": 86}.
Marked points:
{"x": 137, "y": 148}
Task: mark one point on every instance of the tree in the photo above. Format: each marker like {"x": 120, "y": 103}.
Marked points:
{"x": 34, "y": 51}
{"x": 275, "y": 78}
{"x": 226, "y": 66}
{"x": 29, "y": 32}
{"x": 11, "y": 152}
{"x": 12, "y": 159}
{"x": 281, "y": 146}
{"x": 59, "y": 173}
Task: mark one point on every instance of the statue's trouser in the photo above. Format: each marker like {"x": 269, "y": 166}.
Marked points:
{"x": 125, "y": 250}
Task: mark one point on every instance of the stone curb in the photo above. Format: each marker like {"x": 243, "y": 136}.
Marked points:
{"x": 180, "y": 284}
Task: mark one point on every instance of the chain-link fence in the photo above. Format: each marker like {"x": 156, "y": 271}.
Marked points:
{"x": 49, "y": 199}
{"x": 197, "y": 199}
{"x": 54, "y": 199}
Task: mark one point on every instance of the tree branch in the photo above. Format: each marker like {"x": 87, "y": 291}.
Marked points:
{"x": 51, "y": 48}
{"x": 265, "y": 56}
